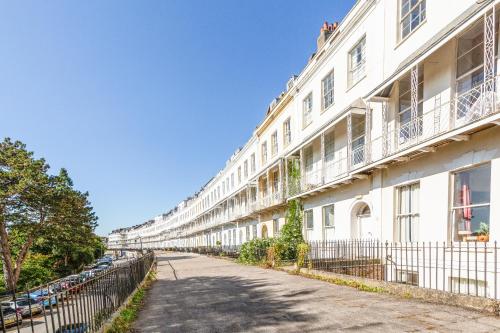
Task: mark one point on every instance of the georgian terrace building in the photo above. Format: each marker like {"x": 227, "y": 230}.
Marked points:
{"x": 390, "y": 132}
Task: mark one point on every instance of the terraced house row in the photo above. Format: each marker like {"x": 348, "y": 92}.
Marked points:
{"x": 390, "y": 132}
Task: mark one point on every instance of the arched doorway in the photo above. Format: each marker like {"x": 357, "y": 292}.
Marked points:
{"x": 365, "y": 224}
{"x": 264, "y": 231}
{"x": 362, "y": 226}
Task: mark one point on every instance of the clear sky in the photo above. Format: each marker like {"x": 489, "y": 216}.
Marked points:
{"x": 144, "y": 101}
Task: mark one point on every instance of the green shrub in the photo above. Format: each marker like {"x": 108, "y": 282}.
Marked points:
{"x": 302, "y": 252}
{"x": 254, "y": 251}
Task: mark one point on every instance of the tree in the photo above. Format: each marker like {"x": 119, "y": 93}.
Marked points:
{"x": 33, "y": 203}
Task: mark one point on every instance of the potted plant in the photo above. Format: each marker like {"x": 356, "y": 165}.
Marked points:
{"x": 483, "y": 233}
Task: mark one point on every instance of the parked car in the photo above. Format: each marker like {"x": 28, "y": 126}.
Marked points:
{"x": 73, "y": 328}
{"x": 23, "y": 305}
{"x": 11, "y": 317}
{"x": 42, "y": 296}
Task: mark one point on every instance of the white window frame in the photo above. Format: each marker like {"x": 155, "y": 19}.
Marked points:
{"x": 253, "y": 165}
{"x": 307, "y": 108}
{"x": 411, "y": 214}
{"x": 402, "y": 17}
{"x": 287, "y": 132}
{"x": 323, "y": 210}
{"x": 328, "y": 91}
{"x": 306, "y": 224}
{"x": 274, "y": 143}
{"x": 478, "y": 205}
{"x": 245, "y": 169}
{"x": 357, "y": 72}
{"x": 263, "y": 152}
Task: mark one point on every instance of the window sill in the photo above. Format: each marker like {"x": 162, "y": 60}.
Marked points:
{"x": 323, "y": 110}
{"x": 401, "y": 41}
{"x": 352, "y": 85}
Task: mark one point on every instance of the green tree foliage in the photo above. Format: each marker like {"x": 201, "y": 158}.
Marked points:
{"x": 43, "y": 214}
{"x": 254, "y": 251}
{"x": 291, "y": 233}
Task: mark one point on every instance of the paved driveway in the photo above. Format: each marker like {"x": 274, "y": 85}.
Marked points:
{"x": 200, "y": 294}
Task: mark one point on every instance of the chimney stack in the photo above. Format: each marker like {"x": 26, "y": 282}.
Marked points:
{"x": 326, "y": 30}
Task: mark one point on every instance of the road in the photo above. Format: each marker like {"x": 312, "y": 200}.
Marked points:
{"x": 195, "y": 293}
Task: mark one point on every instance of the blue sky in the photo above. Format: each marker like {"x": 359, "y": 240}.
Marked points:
{"x": 143, "y": 101}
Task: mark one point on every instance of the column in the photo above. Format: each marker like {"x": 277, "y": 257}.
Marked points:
{"x": 414, "y": 102}
{"x": 349, "y": 141}
{"x": 385, "y": 134}
{"x": 322, "y": 139}
{"x": 368, "y": 133}
{"x": 489, "y": 59}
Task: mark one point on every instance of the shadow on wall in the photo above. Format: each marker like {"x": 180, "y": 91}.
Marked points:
{"x": 222, "y": 304}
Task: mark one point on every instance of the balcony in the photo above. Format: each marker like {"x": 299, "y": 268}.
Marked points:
{"x": 435, "y": 124}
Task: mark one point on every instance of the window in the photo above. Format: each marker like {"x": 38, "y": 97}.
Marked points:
{"x": 276, "y": 227}
{"x": 239, "y": 175}
{"x": 254, "y": 232}
{"x": 327, "y": 91}
{"x": 227, "y": 184}
{"x": 358, "y": 139}
{"x": 274, "y": 143}
{"x": 232, "y": 180}
{"x": 357, "y": 60}
{"x": 307, "y": 105}
{"x": 263, "y": 152}
{"x": 329, "y": 146}
{"x": 470, "y": 69}
{"x": 308, "y": 159}
{"x": 252, "y": 163}
{"x": 245, "y": 169}
{"x": 328, "y": 216}
{"x": 247, "y": 233}
{"x": 308, "y": 219}
{"x": 471, "y": 204}
{"x": 407, "y": 277}
{"x": 287, "y": 132}
{"x": 407, "y": 214}
{"x": 411, "y": 16}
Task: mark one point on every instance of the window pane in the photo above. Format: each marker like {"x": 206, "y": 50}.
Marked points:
{"x": 469, "y": 223}
{"x": 472, "y": 187}
{"x": 308, "y": 216}
{"x": 328, "y": 215}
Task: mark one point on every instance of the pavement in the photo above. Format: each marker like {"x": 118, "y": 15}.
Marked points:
{"x": 196, "y": 293}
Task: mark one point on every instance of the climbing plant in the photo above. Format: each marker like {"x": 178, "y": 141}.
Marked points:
{"x": 291, "y": 233}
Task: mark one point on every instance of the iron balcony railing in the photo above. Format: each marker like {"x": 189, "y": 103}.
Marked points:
{"x": 470, "y": 268}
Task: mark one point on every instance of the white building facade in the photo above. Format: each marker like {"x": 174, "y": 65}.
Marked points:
{"x": 390, "y": 132}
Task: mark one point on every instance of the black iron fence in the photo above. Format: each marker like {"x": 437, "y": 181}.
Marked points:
{"x": 231, "y": 251}
{"x": 458, "y": 267}
{"x": 75, "y": 304}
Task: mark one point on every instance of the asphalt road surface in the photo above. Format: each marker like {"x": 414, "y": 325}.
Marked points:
{"x": 195, "y": 293}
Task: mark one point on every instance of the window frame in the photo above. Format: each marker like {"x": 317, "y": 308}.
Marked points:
{"x": 306, "y": 224}
{"x": 323, "y": 209}
{"x": 453, "y": 208}
{"x": 274, "y": 143}
{"x": 307, "y": 110}
{"x": 350, "y": 70}
{"x": 253, "y": 163}
{"x": 287, "y": 131}
{"x": 411, "y": 214}
{"x": 325, "y": 107}
{"x": 401, "y": 18}
{"x": 263, "y": 152}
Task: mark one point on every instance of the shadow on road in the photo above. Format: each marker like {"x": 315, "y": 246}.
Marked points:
{"x": 218, "y": 304}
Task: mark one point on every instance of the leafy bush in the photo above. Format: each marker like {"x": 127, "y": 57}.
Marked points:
{"x": 302, "y": 252}
{"x": 291, "y": 233}
{"x": 254, "y": 251}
